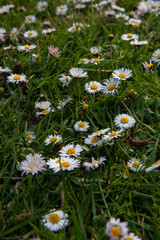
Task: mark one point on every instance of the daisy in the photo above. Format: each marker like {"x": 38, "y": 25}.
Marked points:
{"x": 26, "y": 48}
{"x": 84, "y": 61}
{"x": 65, "y": 79}
{"x": 5, "y": 70}
{"x": 93, "y": 86}
{"x": 135, "y": 165}
{"x": 95, "y": 50}
{"x": 48, "y": 30}
{"x": 61, "y": 10}
{"x": 133, "y": 21}
{"x": 100, "y": 132}
{"x": 54, "y": 51}
{"x": 115, "y": 7}
{"x": 16, "y": 78}
{"x": 96, "y": 60}
{"x": 41, "y": 6}
{"x": 71, "y": 150}
{"x": 73, "y": 29}
{"x": 154, "y": 166}
{"x": 124, "y": 121}
{"x": 55, "y": 220}
{"x": 81, "y": 126}
{"x": 78, "y": 72}
{"x": 156, "y": 56}
{"x": 32, "y": 165}
{"x": 47, "y": 23}
{"x": 43, "y": 105}
{"x": 80, "y": 6}
{"x": 30, "y": 34}
{"x": 4, "y": 9}
{"x": 64, "y": 102}
{"x": 94, "y": 164}
{"x": 93, "y": 140}
{"x": 122, "y": 15}
{"x": 153, "y": 6}
{"x": 122, "y": 73}
{"x": 147, "y": 65}
{"x": 30, "y": 19}
{"x": 116, "y": 229}
{"x": 129, "y": 36}
{"x": 43, "y": 112}
{"x": 51, "y": 138}
{"x": 139, "y": 43}
{"x": 66, "y": 163}
{"x": 130, "y": 236}
{"x": 111, "y": 86}
{"x": 142, "y": 7}
{"x": 112, "y": 135}
{"x": 2, "y": 30}
{"x": 30, "y": 136}
{"x": 14, "y": 33}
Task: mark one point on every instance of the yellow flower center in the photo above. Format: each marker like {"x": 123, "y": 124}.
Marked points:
{"x": 13, "y": 33}
{"x": 122, "y": 75}
{"x": 34, "y": 157}
{"x": 53, "y": 139}
{"x": 112, "y": 134}
{"x": 17, "y": 77}
{"x": 66, "y": 79}
{"x": 29, "y": 137}
{"x": 54, "y": 52}
{"x": 81, "y": 124}
{"x": 94, "y": 140}
{"x": 136, "y": 164}
{"x": 48, "y": 29}
{"x": 99, "y": 131}
{"x": 65, "y": 164}
{"x": 30, "y": 18}
{"x": 136, "y": 25}
{"x": 149, "y": 65}
{"x": 73, "y": 28}
{"x": 61, "y": 7}
{"x": 83, "y": 60}
{"x": 30, "y": 33}
{"x": 27, "y": 47}
{"x": 128, "y": 238}
{"x": 157, "y": 163}
{"x": 85, "y": 106}
{"x": 45, "y": 111}
{"x": 94, "y": 86}
{"x": 124, "y": 120}
{"x": 70, "y": 151}
{"x": 110, "y": 35}
{"x": 111, "y": 87}
{"x": 61, "y": 160}
{"x": 158, "y": 56}
{"x": 96, "y": 59}
{"x": 116, "y": 231}
{"x": 95, "y": 162}
{"x": 154, "y": 6}
{"x": 43, "y": 6}
{"x": 132, "y": 14}
{"x": 129, "y": 35}
{"x": 32, "y": 166}
{"x": 54, "y": 218}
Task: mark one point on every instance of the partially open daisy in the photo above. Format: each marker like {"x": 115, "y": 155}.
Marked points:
{"x": 30, "y": 136}
{"x": 5, "y": 70}
{"x": 84, "y": 61}
{"x": 41, "y": 6}
{"x": 135, "y": 164}
{"x": 65, "y": 79}
{"x": 42, "y": 104}
{"x": 112, "y": 135}
{"x": 110, "y": 86}
{"x": 122, "y": 74}
{"x": 100, "y": 132}
{"x": 93, "y": 140}
{"x": 17, "y": 78}
{"x": 93, "y": 87}
{"x": 48, "y": 30}
{"x": 94, "y": 163}
{"x": 78, "y": 72}
{"x": 54, "y": 51}
{"x": 14, "y": 33}
{"x": 53, "y": 139}
{"x": 81, "y": 126}
{"x": 95, "y": 50}
{"x": 96, "y": 60}
{"x": 156, "y": 56}
{"x": 64, "y": 163}
{"x": 131, "y": 236}
{"x": 129, "y": 36}
{"x": 154, "y": 166}
{"x": 26, "y": 48}
{"x": 116, "y": 229}
{"x": 124, "y": 121}
{"x": 55, "y": 220}
{"x": 64, "y": 102}
{"x": 30, "y": 34}
{"x": 147, "y": 65}
{"x": 71, "y": 150}
{"x": 30, "y": 19}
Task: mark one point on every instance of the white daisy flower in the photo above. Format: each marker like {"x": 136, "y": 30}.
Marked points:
{"x": 96, "y": 50}
{"x": 41, "y": 6}
{"x": 5, "y": 70}
{"x": 48, "y": 30}
{"x": 130, "y": 236}
{"x": 94, "y": 164}
{"x": 122, "y": 74}
{"x": 93, "y": 87}
{"x": 124, "y": 121}
{"x": 4, "y": 9}
{"x": 2, "y": 30}
{"x": 70, "y": 150}
{"x": 97, "y": 60}
{"x": 135, "y": 165}
{"x": 80, "y": 6}
{"x": 26, "y": 48}
{"x": 153, "y": 6}
{"x": 44, "y": 112}
{"x": 30, "y": 136}
{"x": 78, "y": 72}
{"x": 134, "y": 21}
{"x": 111, "y": 86}
{"x": 51, "y": 138}
{"x": 30, "y": 34}
{"x": 66, "y": 163}
{"x": 116, "y": 229}
{"x": 65, "y": 79}
{"x": 109, "y": 13}
{"x": 139, "y": 43}
{"x": 47, "y": 23}
{"x": 129, "y": 36}
{"x": 115, "y": 7}
{"x": 30, "y": 19}
{"x": 16, "y": 78}
{"x": 35, "y": 156}
{"x": 147, "y": 65}
{"x": 63, "y": 102}
{"x": 100, "y": 132}
{"x": 54, "y": 51}
{"x": 122, "y": 15}
{"x": 32, "y": 164}
{"x": 112, "y": 135}
{"x": 42, "y": 104}
{"x": 73, "y": 29}
{"x": 55, "y": 220}
{"x": 156, "y": 56}
{"x": 61, "y": 10}
{"x": 81, "y": 126}
{"x": 142, "y": 7}
{"x": 14, "y": 33}
{"x": 93, "y": 140}
{"x": 154, "y": 166}
{"x": 84, "y": 61}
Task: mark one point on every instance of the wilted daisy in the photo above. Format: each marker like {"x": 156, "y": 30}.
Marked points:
{"x": 156, "y": 56}
{"x": 48, "y": 30}
{"x": 135, "y": 164}
{"x": 78, "y": 72}
{"x": 154, "y": 166}
{"x": 84, "y": 61}
{"x": 112, "y": 135}
{"x": 116, "y": 229}
{"x": 53, "y": 138}
{"x": 54, "y": 51}
{"x": 41, "y": 6}
{"x": 94, "y": 164}
{"x": 110, "y": 86}
{"x": 65, "y": 79}
{"x": 122, "y": 73}
{"x": 66, "y": 163}
{"x": 93, "y": 87}
{"x": 70, "y": 150}
{"x": 30, "y": 34}
{"x": 124, "y": 121}
{"x": 81, "y": 126}
{"x": 30, "y": 136}
{"x": 129, "y": 36}
{"x": 93, "y": 140}
{"x": 30, "y": 19}
{"x": 16, "y": 78}
{"x": 32, "y": 164}
{"x": 5, "y": 70}
{"x": 131, "y": 236}
{"x": 147, "y": 65}
{"x": 61, "y": 10}
{"x": 26, "y": 48}
{"x": 95, "y": 50}
{"x": 96, "y": 60}
{"x": 55, "y": 220}
{"x": 64, "y": 102}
